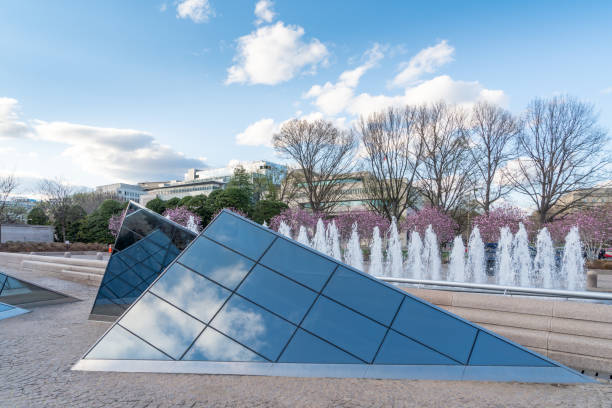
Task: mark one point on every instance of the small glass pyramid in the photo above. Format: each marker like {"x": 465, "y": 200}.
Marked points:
{"x": 18, "y": 292}
{"x": 242, "y": 299}
{"x": 7, "y": 311}
{"x": 146, "y": 244}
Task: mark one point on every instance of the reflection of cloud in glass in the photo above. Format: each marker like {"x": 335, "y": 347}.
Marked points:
{"x": 122, "y": 345}
{"x": 162, "y": 325}
{"x": 212, "y": 345}
{"x": 191, "y": 292}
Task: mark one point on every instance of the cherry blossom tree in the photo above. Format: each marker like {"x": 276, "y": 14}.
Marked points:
{"x": 296, "y": 217}
{"x": 181, "y": 215}
{"x": 505, "y": 216}
{"x": 365, "y": 220}
{"x": 443, "y": 225}
{"x": 114, "y": 224}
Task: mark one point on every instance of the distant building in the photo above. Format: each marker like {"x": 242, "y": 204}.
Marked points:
{"x": 258, "y": 168}
{"x": 19, "y": 207}
{"x": 180, "y": 189}
{"x": 124, "y": 192}
{"x": 588, "y": 198}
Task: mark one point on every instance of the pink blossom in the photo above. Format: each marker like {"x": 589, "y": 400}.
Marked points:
{"x": 114, "y": 223}
{"x": 506, "y": 216}
{"x": 295, "y": 217}
{"x": 181, "y": 216}
{"x": 365, "y": 220}
{"x": 443, "y": 225}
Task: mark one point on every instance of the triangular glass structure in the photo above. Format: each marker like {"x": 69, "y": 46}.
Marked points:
{"x": 7, "y": 311}
{"x": 242, "y": 299}
{"x": 18, "y": 292}
{"x": 146, "y": 244}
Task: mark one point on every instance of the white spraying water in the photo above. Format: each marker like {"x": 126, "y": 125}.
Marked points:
{"x": 376, "y": 254}
{"x": 353, "y": 255}
{"x": 191, "y": 225}
{"x": 544, "y": 261}
{"x": 265, "y": 224}
{"x": 394, "y": 252}
{"x": 456, "y": 268}
{"x": 333, "y": 240}
{"x": 431, "y": 254}
{"x": 414, "y": 263}
{"x": 572, "y": 267}
{"x": 302, "y": 237}
{"x": 475, "y": 266}
{"x": 284, "y": 229}
{"x": 503, "y": 258}
{"x": 318, "y": 241}
{"x": 521, "y": 257}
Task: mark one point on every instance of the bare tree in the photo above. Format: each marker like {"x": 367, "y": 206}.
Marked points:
{"x": 324, "y": 155}
{"x": 391, "y": 160}
{"x": 8, "y": 184}
{"x": 492, "y": 132}
{"x": 562, "y": 150}
{"x": 90, "y": 201}
{"x": 287, "y": 188}
{"x": 58, "y": 201}
{"x": 446, "y": 168}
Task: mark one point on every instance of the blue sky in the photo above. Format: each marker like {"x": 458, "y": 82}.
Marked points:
{"x": 103, "y": 91}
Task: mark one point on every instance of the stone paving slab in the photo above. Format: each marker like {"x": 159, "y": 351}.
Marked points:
{"x": 38, "y": 349}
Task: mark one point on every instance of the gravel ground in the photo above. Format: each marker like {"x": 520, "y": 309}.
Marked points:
{"x": 38, "y": 349}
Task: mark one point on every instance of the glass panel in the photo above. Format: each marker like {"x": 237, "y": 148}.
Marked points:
{"x": 490, "y": 350}
{"x": 119, "y": 344}
{"x": 346, "y": 329}
{"x": 306, "y": 348}
{"x": 162, "y": 325}
{"x": 253, "y": 326}
{"x": 191, "y": 292}
{"x": 17, "y": 292}
{"x": 216, "y": 262}
{"x": 239, "y": 235}
{"x": 214, "y": 346}
{"x": 398, "y": 349}
{"x": 298, "y": 263}
{"x": 364, "y": 295}
{"x": 119, "y": 288}
{"x": 5, "y": 307}
{"x": 279, "y": 294}
{"x": 439, "y": 330}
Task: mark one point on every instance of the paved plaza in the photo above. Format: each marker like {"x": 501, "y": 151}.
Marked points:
{"x": 38, "y": 349}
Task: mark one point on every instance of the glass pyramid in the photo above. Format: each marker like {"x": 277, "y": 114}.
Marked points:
{"x": 17, "y": 292}
{"x": 146, "y": 244}
{"x": 242, "y": 299}
{"x": 7, "y": 311}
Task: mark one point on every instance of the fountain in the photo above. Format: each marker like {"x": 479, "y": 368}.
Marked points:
{"x": 318, "y": 241}
{"x": 431, "y": 254}
{"x": 521, "y": 256}
{"x": 353, "y": 255}
{"x": 475, "y": 266}
{"x": 376, "y": 254}
{"x": 264, "y": 224}
{"x": 284, "y": 229}
{"x": 572, "y": 269}
{"x": 192, "y": 226}
{"x": 414, "y": 263}
{"x": 394, "y": 252}
{"x": 333, "y": 240}
{"x": 456, "y": 268}
{"x": 503, "y": 258}
{"x": 544, "y": 262}
{"x": 302, "y": 237}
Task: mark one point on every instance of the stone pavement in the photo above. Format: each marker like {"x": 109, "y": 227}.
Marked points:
{"x": 38, "y": 349}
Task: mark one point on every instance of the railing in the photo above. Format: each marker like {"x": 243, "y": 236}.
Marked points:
{"x": 507, "y": 290}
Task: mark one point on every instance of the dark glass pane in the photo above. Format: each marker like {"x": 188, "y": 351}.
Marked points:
{"x": 17, "y": 292}
{"x": 120, "y": 288}
{"x": 298, "y": 263}
{"x": 120, "y": 344}
{"x": 277, "y": 293}
{"x": 191, "y": 292}
{"x": 306, "y": 348}
{"x": 216, "y": 262}
{"x": 364, "y": 295}
{"x": 213, "y": 346}
{"x": 491, "y": 351}
{"x": 439, "y": 330}
{"x": 398, "y": 349}
{"x": 253, "y": 326}
{"x": 240, "y": 235}
{"x": 162, "y": 325}
{"x": 346, "y": 329}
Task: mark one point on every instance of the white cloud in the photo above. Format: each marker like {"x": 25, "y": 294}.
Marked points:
{"x": 163, "y": 7}
{"x": 199, "y": 11}
{"x": 426, "y": 61}
{"x": 263, "y": 12}
{"x": 334, "y": 98}
{"x": 607, "y": 90}
{"x": 11, "y": 125}
{"x": 274, "y": 54}
{"x": 258, "y": 134}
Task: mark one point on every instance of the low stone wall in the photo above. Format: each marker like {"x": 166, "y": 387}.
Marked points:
{"x": 577, "y": 334}
{"x": 89, "y": 271}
